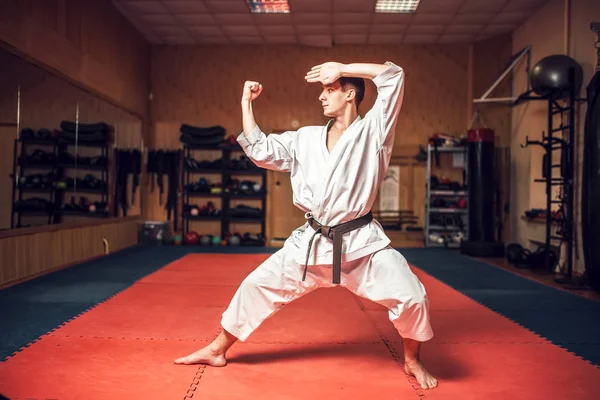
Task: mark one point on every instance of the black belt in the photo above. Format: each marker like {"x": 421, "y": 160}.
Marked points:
{"x": 335, "y": 233}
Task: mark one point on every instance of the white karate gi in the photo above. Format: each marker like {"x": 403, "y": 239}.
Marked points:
{"x": 334, "y": 188}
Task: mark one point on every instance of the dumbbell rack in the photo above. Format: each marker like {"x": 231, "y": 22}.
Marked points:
{"x": 226, "y": 174}
{"x": 449, "y": 194}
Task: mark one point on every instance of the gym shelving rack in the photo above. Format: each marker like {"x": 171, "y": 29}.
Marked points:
{"x": 551, "y": 144}
{"x": 55, "y": 195}
{"x": 103, "y": 168}
{"x": 19, "y": 169}
{"x": 450, "y": 194}
{"x": 226, "y": 174}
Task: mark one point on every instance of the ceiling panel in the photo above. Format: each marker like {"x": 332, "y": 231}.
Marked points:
{"x": 418, "y": 39}
{"x": 240, "y": 30}
{"x": 144, "y": 7}
{"x": 353, "y": 5}
{"x": 384, "y": 39}
{"x": 388, "y": 28}
{"x": 227, "y": 6}
{"x": 425, "y": 29}
{"x": 524, "y": 5}
{"x": 489, "y": 6}
{"x": 272, "y": 19}
{"x": 312, "y": 18}
{"x": 321, "y": 22}
{"x": 312, "y": 6}
{"x": 350, "y": 38}
{"x": 347, "y": 29}
{"x": 465, "y": 28}
{"x": 234, "y": 19}
{"x": 158, "y": 19}
{"x": 352, "y": 18}
{"x": 451, "y": 38}
{"x": 196, "y": 19}
{"x": 313, "y": 29}
{"x": 277, "y": 30}
{"x": 205, "y": 31}
{"x": 280, "y": 39}
{"x": 439, "y": 6}
{"x": 185, "y": 7}
{"x": 178, "y": 40}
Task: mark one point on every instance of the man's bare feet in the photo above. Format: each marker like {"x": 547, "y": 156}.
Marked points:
{"x": 213, "y": 354}
{"x": 415, "y": 368}
{"x": 204, "y": 356}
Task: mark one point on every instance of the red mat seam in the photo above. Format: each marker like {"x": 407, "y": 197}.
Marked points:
{"x": 195, "y": 381}
{"x": 411, "y": 379}
{"x": 58, "y": 335}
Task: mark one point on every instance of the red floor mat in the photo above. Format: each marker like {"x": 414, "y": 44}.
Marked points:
{"x": 84, "y": 368}
{"x": 460, "y": 326}
{"x": 532, "y": 371}
{"x": 204, "y": 275}
{"x": 300, "y": 371}
{"x": 176, "y": 295}
{"x": 247, "y": 262}
{"x": 328, "y": 344}
{"x": 303, "y": 325}
{"x": 146, "y": 322}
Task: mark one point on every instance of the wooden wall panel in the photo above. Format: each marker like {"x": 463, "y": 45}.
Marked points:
{"x": 25, "y": 256}
{"x": 491, "y": 58}
{"x": 202, "y": 86}
{"x": 92, "y": 44}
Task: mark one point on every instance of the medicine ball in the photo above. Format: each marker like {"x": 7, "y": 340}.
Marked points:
{"x": 551, "y": 75}
{"x": 191, "y": 238}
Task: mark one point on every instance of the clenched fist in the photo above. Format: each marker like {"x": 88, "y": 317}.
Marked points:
{"x": 251, "y": 91}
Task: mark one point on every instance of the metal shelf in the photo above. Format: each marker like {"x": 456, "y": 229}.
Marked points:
{"x": 448, "y": 192}
{"x": 461, "y": 213}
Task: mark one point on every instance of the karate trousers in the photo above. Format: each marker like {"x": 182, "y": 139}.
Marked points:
{"x": 383, "y": 277}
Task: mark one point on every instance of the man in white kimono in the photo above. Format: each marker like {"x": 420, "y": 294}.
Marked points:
{"x": 336, "y": 171}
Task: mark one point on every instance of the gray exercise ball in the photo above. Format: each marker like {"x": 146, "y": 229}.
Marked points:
{"x": 551, "y": 76}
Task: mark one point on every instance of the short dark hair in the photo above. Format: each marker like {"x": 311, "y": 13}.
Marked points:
{"x": 358, "y": 85}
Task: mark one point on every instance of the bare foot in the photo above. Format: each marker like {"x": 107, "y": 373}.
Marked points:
{"x": 204, "y": 356}
{"x": 416, "y": 369}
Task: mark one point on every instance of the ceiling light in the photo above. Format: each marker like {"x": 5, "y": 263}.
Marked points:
{"x": 269, "y": 6}
{"x": 396, "y": 6}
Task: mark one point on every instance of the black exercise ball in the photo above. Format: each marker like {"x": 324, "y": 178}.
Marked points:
{"x": 551, "y": 76}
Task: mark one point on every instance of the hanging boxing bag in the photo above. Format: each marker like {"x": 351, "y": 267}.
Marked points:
{"x": 590, "y": 190}
{"x": 481, "y": 185}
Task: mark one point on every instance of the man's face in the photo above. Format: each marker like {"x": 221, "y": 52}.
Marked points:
{"x": 334, "y": 100}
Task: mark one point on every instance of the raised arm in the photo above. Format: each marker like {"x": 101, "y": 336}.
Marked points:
{"x": 330, "y": 72}
{"x": 274, "y": 151}
{"x": 387, "y": 77}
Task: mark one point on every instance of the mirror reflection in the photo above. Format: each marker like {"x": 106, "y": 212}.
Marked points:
{"x": 66, "y": 154}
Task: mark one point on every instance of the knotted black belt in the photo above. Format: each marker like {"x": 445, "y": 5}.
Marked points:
{"x": 335, "y": 233}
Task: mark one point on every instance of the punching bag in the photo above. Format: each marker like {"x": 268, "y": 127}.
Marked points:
{"x": 481, "y": 241}
{"x": 590, "y": 191}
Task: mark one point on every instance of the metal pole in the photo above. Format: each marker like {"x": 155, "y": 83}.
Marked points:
{"x": 526, "y": 50}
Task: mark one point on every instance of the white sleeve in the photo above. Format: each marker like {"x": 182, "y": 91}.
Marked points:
{"x": 390, "y": 94}
{"x": 274, "y": 151}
